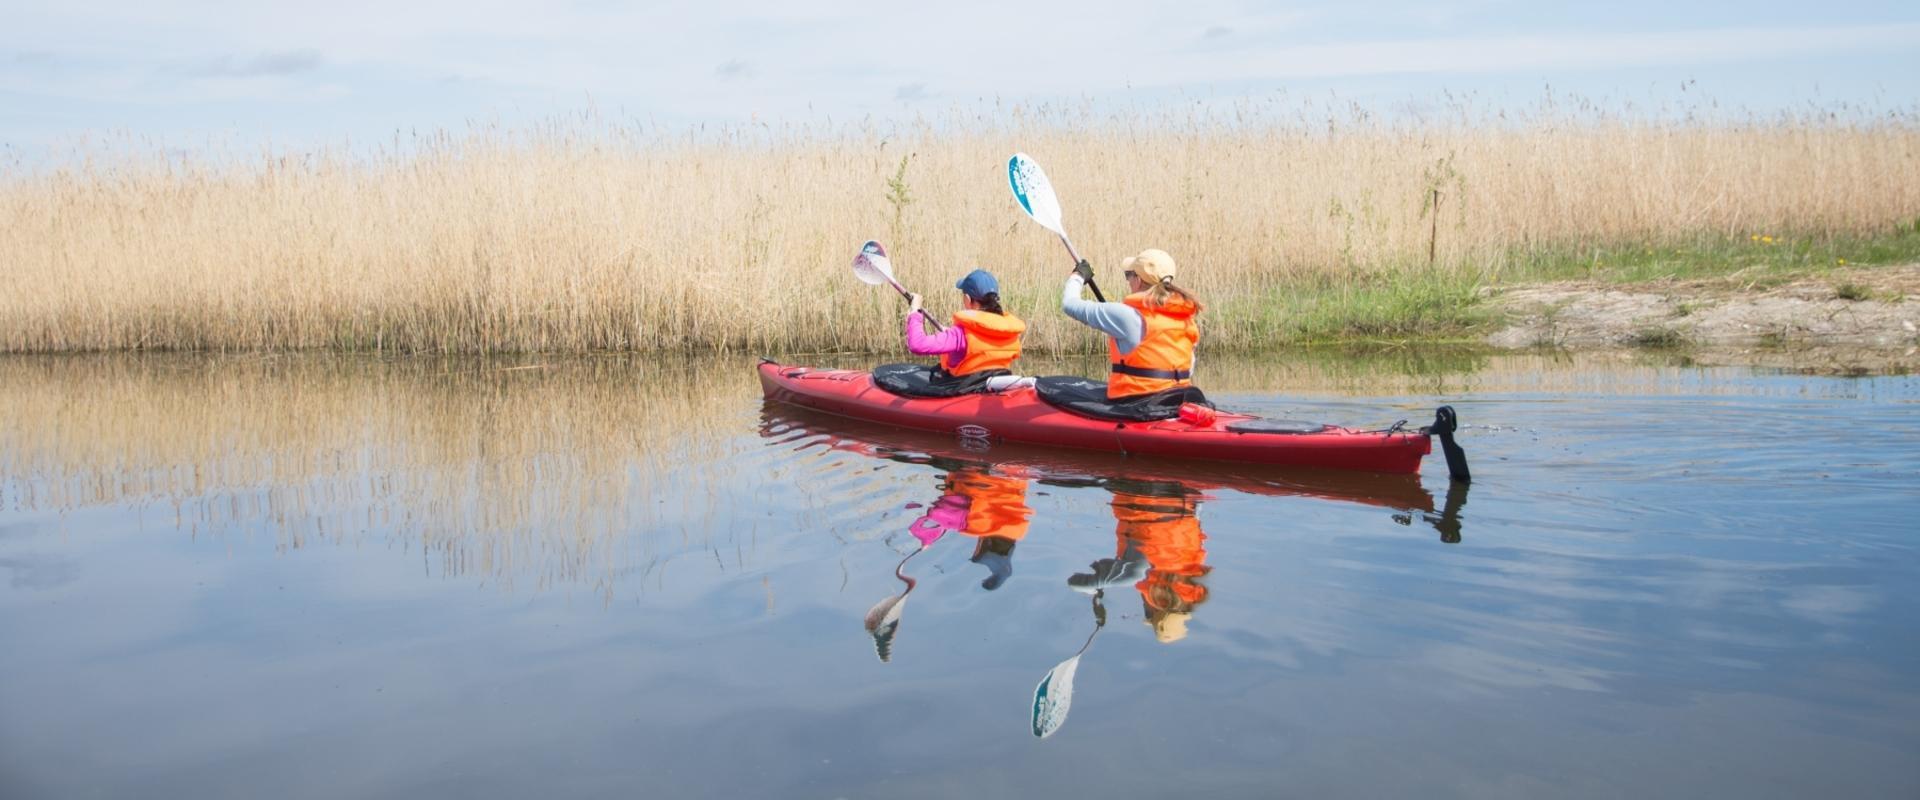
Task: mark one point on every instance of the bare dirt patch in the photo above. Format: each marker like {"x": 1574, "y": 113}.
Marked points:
{"x": 1875, "y": 307}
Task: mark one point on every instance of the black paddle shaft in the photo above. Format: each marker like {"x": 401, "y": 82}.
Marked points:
{"x": 1075, "y": 255}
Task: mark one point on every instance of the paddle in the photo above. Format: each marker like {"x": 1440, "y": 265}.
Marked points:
{"x": 872, "y": 267}
{"x": 1054, "y": 696}
{"x": 883, "y": 620}
{"x": 1035, "y": 194}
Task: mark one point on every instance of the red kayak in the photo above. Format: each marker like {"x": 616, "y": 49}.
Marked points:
{"x": 1019, "y": 415}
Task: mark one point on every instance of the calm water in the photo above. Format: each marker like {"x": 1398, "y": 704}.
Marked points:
{"x": 315, "y": 577}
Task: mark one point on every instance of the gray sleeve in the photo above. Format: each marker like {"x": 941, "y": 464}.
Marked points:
{"x": 1117, "y": 320}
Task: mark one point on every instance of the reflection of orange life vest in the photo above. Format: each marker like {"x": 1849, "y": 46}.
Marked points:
{"x": 1164, "y": 358}
{"x": 997, "y": 505}
{"x": 993, "y": 341}
{"x": 1165, "y": 530}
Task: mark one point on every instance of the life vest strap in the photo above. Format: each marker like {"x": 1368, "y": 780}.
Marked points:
{"x": 1144, "y": 372}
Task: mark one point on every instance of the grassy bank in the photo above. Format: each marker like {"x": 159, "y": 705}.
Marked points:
{"x": 1448, "y": 304}
{"x": 589, "y": 236}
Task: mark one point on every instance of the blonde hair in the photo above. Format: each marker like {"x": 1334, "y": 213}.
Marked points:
{"x": 1158, "y": 293}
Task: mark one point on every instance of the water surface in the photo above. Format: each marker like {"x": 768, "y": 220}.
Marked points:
{"x": 342, "y": 577}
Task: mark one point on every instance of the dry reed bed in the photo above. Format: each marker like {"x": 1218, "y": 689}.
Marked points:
{"x": 587, "y": 237}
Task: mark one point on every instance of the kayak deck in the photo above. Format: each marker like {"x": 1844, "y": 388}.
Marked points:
{"x": 1019, "y": 415}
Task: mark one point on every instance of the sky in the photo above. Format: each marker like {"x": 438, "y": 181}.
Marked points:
{"x": 311, "y": 74}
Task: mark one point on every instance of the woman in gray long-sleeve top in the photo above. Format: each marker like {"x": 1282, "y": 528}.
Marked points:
{"x": 1151, "y": 332}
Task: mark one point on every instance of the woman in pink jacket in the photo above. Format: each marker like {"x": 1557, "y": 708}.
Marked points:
{"x": 983, "y": 338}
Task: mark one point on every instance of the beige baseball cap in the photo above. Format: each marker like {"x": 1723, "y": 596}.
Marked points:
{"x": 1154, "y": 266}
{"x": 1170, "y": 628}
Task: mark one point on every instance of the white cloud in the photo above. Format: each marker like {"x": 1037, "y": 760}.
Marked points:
{"x": 286, "y": 62}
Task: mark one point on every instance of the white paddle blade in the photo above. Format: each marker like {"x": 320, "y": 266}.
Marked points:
{"x": 1053, "y": 697}
{"x": 871, "y": 265}
{"x": 883, "y": 620}
{"x": 1034, "y": 192}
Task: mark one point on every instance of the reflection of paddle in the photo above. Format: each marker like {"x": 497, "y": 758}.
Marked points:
{"x": 1054, "y": 696}
{"x": 1035, "y": 193}
{"x": 884, "y": 618}
{"x": 1448, "y": 522}
{"x": 872, "y": 267}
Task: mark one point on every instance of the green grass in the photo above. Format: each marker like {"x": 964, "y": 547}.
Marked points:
{"x": 1753, "y": 260}
{"x": 1654, "y": 338}
{"x": 1391, "y": 307}
{"x": 1852, "y": 292}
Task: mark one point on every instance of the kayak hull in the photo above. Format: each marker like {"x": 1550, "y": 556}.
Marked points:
{"x": 1021, "y": 416}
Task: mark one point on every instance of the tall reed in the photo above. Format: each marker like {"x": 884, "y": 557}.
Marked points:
{"x": 587, "y": 235}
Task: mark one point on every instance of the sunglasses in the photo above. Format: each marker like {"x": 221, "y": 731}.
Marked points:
{"x": 1130, "y": 274}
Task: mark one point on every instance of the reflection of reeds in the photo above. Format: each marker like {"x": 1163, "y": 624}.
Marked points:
{"x": 490, "y": 467}
{"x": 588, "y": 237}
{"x": 550, "y": 469}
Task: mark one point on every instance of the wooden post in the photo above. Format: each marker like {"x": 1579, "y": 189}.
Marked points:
{"x": 1433, "y": 238}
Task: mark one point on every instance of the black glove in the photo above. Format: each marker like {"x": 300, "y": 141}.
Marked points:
{"x": 1107, "y": 573}
{"x": 1084, "y": 270}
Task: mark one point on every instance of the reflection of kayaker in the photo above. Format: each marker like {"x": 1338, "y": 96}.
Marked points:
{"x": 997, "y": 516}
{"x": 1157, "y": 521}
{"x": 992, "y": 509}
{"x": 988, "y": 507}
{"x": 1161, "y": 553}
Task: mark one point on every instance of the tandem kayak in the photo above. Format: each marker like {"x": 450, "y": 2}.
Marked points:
{"x": 1019, "y": 415}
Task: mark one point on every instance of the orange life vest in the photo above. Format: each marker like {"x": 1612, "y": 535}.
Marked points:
{"x": 993, "y": 341}
{"x": 997, "y": 504}
{"x": 1165, "y": 530}
{"x": 1164, "y": 358}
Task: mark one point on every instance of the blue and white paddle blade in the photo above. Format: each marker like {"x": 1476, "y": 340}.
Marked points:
{"x": 1033, "y": 191}
{"x": 871, "y": 265}
{"x": 1053, "y": 698}
{"x": 883, "y": 621}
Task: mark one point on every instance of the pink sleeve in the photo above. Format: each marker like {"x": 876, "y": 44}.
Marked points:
{"x": 920, "y": 343}
{"x": 948, "y": 515}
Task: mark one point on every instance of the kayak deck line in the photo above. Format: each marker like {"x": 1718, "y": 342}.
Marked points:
{"x": 1019, "y": 415}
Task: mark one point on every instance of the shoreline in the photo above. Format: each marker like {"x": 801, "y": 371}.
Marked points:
{"x": 1869, "y": 308}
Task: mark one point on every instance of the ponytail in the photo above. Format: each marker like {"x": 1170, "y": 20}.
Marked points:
{"x": 990, "y": 302}
{"x": 1158, "y": 293}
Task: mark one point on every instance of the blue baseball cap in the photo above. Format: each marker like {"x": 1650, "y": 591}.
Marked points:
{"x": 978, "y": 284}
